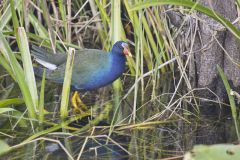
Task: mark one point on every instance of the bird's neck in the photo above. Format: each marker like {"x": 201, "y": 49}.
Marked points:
{"x": 117, "y": 63}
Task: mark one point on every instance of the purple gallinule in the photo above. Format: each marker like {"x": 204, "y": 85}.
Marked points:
{"x": 92, "y": 68}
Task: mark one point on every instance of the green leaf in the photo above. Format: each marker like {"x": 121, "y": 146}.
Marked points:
{"x": 13, "y": 101}
{"x": 62, "y": 10}
{"x": 116, "y": 35}
{"x": 27, "y": 65}
{"x": 38, "y": 26}
{"x": 41, "y": 100}
{"x": 214, "y": 152}
{"x": 4, "y": 147}
{"x": 67, "y": 83}
{"x": 18, "y": 74}
{"x": 46, "y": 16}
{"x": 3, "y": 110}
{"x": 6, "y": 66}
{"x": 7, "y": 15}
{"x": 231, "y": 99}
{"x": 14, "y": 17}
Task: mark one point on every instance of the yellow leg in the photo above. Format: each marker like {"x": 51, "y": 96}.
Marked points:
{"x": 78, "y": 105}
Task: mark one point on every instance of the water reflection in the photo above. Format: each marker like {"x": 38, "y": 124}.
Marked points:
{"x": 93, "y": 147}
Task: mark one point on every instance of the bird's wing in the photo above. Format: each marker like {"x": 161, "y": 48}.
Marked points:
{"x": 92, "y": 58}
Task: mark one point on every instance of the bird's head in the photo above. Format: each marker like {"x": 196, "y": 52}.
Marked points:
{"x": 121, "y": 47}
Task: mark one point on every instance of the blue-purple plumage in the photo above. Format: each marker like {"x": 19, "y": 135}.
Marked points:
{"x": 92, "y": 68}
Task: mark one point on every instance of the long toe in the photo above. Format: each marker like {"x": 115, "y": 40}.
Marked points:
{"x": 78, "y": 106}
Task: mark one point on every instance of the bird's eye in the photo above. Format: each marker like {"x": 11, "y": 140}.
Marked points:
{"x": 124, "y": 45}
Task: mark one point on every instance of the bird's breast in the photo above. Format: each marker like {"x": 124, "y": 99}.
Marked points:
{"x": 105, "y": 73}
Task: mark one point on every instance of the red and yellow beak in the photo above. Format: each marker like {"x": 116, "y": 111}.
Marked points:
{"x": 126, "y": 51}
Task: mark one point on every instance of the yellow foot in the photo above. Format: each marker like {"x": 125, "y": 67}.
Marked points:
{"x": 78, "y": 106}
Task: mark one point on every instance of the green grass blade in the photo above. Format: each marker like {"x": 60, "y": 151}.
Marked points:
{"x": 27, "y": 65}
{"x": 12, "y": 101}
{"x": 18, "y": 74}
{"x": 49, "y": 24}
{"x": 135, "y": 22}
{"x": 105, "y": 18}
{"x": 103, "y": 26}
{"x": 115, "y": 20}
{"x": 116, "y": 30}
{"x": 38, "y": 26}
{"x": 7, "y": 15}
{"x": 54, "y": 128}
{"x": 238, "y": 2}
{"x": 14, "y": 17}
{"x": 62, "y": 10}
{"x": 2, "y": 110}
{"x": 231, "y": 99}
{"x": 4, "y": 147}
{"x": 41, "y": 99}
{"x": 7, "y": 67}
{"x": 190, "y": 4}
{"x": 67, "y": 83}
{"x": 152, "y": 42}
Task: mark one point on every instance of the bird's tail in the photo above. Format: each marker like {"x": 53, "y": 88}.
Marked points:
{"x": 38, "y": 71}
